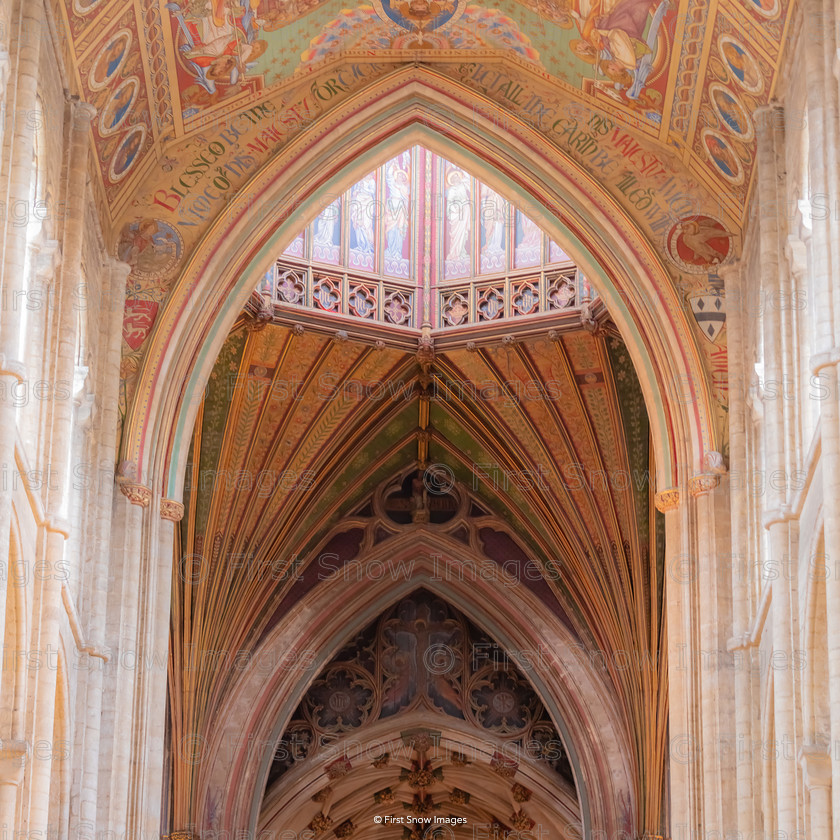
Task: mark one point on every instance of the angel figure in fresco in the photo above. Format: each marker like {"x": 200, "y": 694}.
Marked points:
{"x": 722, "y": 156}
{"x": 362, "y": 202}
{"x": 119, "y": 105}
{"x": 397, "y": 209}
{"x": 127, "y": 152}
{"x": 615, "y": 29}
{"x": 530, "y": 233}
{"x": 218, "y": 43}
{"x": 110, "y": 60}
{"x": 493, "y": 216}
{"x": 729, "y": 112}
{"x": 741, "y": 65}
{"x": 148, "y": 246}
{"x": 458, "y": 214}
{"x": 325, "y": 225}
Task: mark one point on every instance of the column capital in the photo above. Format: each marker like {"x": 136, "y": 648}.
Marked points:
{"x": 14, "y": 756}
{"x": 83, "y": 112}
{"x": 742, "y": 642}
{"x": 47, "y": 258}
{"x": 667, "y": 500}
{"x": 171, "y": 510}
{"x": 770, "y": 114}
{"x": 816, "y": 765}
{"x": 699, "y": 485}
{"x": 776, "y": 516}
{"x": 828, "y": 358}
{"x": 181, "y": 835}
{"x": 730, "y": 271}
{"x": 797, "y": 254}
{"x": 12, "y": 367}
{"x": 58, "y": 525}
{"x": 137, "y": 494}
{"x": 119, "y": 266}
{"x": 97, "y": 652}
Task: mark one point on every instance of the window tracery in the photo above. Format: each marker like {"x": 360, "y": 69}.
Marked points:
{"x": 422, "y": 654}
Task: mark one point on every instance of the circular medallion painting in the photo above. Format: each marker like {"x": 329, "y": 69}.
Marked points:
{"x": 126, "y": 154}
{"x": 117, "y": 109}
{"x": 731, "y": 112}
{"x": 766, "y": 8}
{"x": 85, "y": 7}
{"x": 722, "y": 156}
{"x": 412, "y": 15}
{"x": 698, "y": 243}
{"x": 110, "y": 59}
{"x": 151, "y": 247}
{"x": 741, "y": 64}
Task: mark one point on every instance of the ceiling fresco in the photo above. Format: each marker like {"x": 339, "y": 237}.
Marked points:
{"x": 158, "y": 71}
{"x": 654, "y": 99}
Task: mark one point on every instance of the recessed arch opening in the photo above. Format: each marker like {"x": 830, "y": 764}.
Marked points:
{"x": 263, "y": 701}
{"x": 239, "y": 250}
{"x": 243, "y": 244}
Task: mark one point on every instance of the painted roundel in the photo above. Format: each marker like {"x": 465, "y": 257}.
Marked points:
{"x": 766, "y": 8}
{"x": 151, "y": 247}
{"x": 110, "y": 59}
{"x": 722, "y": 156}
{"x": 430, "y": 14}
{"x": 126, "y": 154}
{"x": 741, "y": 64}
{"x": 85, "y": 7}
{"x": 731, "y": 112}
{"x": 117, "y": 109}
{"x": 698, "y": 243}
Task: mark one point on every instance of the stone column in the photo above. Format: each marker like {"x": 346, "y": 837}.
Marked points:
{"x": 19, "y": 172}
{"x": 738, "y": 645}
{"x": 118, "y": 734}
{"x": 131, "y": 769}
{"x": 816, "y": 770}
{"x": 153, "y": 704}
{"x": 45, "y": 271}
{"x": 710, "y": 498}
{"x": 61, "y": 432}
{"x": 825, "y": 262}
{"x": 684, "y": 744}
{"x": 14, "y": 756}
{"x": 770, "y": 201}
{"x": 90, "y": 703}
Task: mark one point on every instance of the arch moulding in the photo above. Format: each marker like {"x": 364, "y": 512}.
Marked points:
{"x": 416, "y": 105}
{"x": 259, "y": 703}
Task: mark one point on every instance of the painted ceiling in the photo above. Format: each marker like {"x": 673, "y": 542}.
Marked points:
{"x": 297, "y": 431}
{"x": 169, "y": 78}
{"x": 654, "y": 99}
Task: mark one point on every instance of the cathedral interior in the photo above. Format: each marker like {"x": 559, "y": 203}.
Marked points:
{"x": 419, "y": 420}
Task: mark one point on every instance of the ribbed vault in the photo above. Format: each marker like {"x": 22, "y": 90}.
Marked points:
{"x": 300, "y": 433}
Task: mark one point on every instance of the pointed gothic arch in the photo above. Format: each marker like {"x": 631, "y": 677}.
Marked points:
{"x": 235, "y": 759}
{"x": 290, "y": 191}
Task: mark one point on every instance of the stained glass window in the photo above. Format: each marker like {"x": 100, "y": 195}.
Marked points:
{"x": 422, "y": 228}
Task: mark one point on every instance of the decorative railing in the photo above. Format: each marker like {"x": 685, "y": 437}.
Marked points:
{"x": 482, "y": 300}
{"x": 476, "y": 301}
{"x": 343, "y": 294}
